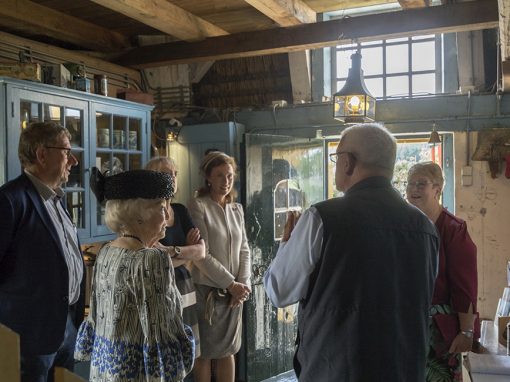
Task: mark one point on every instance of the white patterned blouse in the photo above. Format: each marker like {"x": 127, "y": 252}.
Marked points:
{"x": 134, "y": 331}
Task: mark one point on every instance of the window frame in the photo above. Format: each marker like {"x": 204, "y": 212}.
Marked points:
{"x": 384, "y": 44}
{"x": 447, "y": 164}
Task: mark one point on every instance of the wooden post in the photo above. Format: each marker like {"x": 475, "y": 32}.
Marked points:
{"x": 64, "y": 375}
{"x": 9, "y": 354}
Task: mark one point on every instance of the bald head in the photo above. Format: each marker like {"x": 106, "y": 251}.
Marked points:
{"x": 373, "y": 146}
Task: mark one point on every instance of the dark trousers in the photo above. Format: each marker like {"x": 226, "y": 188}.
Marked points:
{"x": 40, "y": 367}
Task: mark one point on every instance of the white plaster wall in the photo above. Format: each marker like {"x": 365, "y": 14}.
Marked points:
{"x": 486, "y": 208}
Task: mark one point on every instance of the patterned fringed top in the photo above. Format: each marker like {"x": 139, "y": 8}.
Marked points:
{"x": 134, "y": 331}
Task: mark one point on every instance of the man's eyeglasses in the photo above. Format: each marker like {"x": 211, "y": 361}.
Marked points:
{"x": 333, "y": 157}
{"x": 420, "y": 185}
{"x": 66, "y": 149}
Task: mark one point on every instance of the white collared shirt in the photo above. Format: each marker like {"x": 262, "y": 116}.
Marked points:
{"x": 287, "y": 278}
{"x": 66, "y": 231}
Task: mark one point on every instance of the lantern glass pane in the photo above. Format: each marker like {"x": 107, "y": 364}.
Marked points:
{"x": 355, "y": 104}
{"x": 370, "y": 113}
{"x": 339, "y": 104}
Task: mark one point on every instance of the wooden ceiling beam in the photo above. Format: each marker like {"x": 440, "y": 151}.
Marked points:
{"x": 165, "y": 17}
{"x": 285, "y": 12}
{"x": 408, "y": 4}
{"x": 48, "y": 22}
{"x": 65, "y": 55}
{"x": 455, "y": 17}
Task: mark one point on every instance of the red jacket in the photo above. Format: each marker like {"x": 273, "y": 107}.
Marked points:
{"x": 457, "y": 280}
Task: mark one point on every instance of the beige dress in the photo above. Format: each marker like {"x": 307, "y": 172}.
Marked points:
{"x": 227, "y": 259}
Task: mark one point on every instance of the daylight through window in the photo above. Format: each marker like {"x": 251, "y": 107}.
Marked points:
{"x": 401, "y": 67}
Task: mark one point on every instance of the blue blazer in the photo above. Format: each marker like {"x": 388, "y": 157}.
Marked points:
{"x": 33, "y": 272}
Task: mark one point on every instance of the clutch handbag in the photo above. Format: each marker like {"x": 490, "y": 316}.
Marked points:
{"x": 449, "y": 327}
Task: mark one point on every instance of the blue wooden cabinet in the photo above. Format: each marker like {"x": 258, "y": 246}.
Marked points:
{"x": 111, "y": 134}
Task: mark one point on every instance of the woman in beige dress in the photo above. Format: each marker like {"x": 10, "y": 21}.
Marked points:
{"x": 222, "y": 279}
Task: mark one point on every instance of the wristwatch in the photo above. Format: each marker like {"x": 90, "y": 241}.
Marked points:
{"x": 467, "y": 333}
{"x": 177, "y": 251}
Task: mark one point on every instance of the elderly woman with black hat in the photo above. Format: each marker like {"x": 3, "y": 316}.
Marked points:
{"x": 134, "y": 331}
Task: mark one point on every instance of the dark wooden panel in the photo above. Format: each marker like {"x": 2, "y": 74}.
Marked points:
{"x": 254, "y": 81}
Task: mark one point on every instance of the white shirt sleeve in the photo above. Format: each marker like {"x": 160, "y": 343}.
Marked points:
{"x": 287, "y": 278}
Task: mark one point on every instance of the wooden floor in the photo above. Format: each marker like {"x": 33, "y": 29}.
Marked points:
{"x": 82, "y": 369}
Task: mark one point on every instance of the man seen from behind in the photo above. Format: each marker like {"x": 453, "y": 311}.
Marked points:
{"x": 362, "y": 267}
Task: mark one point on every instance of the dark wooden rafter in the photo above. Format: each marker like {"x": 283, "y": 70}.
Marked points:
{"x": 166, "y": 17}
{"x": 456, "y": 17}
{"x": 285, "y": 12}
{"x": 63, "y": 27}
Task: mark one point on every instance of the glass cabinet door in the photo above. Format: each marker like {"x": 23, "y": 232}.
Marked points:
{"x": 282, "y": 174}
{"x": 120, "y": 139}
{"x": 30, "y": 106}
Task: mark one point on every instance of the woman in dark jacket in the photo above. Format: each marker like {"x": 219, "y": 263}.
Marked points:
{"x": 181, "y": 232}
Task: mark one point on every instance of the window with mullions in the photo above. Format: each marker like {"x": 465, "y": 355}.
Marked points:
{"x": 410, "y": 150}
{"x": 401, "y": 67}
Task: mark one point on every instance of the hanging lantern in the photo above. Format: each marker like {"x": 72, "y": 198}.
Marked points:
{"x": 353, "y": 103}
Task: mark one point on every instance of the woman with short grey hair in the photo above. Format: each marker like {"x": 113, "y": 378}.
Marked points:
{"x": 453, "y": 311}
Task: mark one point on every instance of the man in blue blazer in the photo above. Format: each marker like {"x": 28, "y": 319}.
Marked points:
{"x": 41, "y": 267}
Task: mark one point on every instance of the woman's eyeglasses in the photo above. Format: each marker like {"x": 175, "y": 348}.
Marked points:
{"x": 420, "y": 185}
